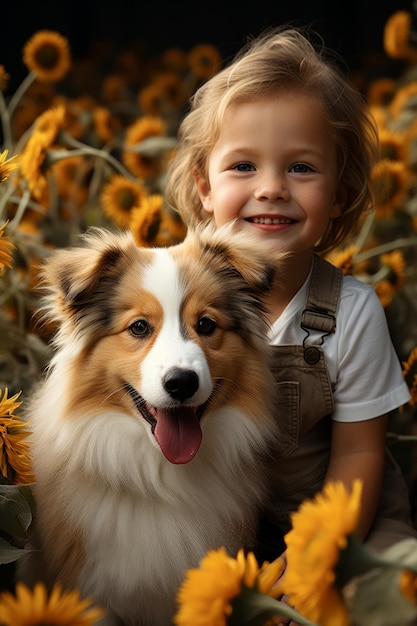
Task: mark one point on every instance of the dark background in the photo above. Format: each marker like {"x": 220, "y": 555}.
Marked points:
{"x": 352, "y": 28}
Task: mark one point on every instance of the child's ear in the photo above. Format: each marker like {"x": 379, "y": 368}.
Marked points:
{"x": 203, "y": 188}
{"x": 339, "y": 202}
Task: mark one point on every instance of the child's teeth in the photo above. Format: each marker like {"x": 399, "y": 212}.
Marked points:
{"x": 271, "y": 220}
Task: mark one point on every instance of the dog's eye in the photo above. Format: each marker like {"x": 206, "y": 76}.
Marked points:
{"x": 206, "y": 326}
{"x": 140, "y": 328}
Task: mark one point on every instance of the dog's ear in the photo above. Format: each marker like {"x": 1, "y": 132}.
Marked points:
{"x": 257, "y": 266}
{"x": 70, "y": 276}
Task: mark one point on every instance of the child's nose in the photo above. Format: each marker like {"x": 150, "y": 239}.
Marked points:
{"x": 272, "y": 187}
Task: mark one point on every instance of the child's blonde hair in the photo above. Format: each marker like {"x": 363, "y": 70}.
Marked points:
{"x": 279, "y": 61}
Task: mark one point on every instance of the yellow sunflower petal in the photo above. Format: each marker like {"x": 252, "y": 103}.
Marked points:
{"x": 6, "y": 247}
{"x": 7, "y": 165}
{"x": 34, "y": 607}
{"x": 251, "y": 568}
{"x": 319, "y": 534}
{"x": 205, "y": 595}
{"x": 269, "y": 575}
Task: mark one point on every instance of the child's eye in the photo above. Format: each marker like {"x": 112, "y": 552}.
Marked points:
{"x": 243, "y": 167}
{"x": 300, "y": 168}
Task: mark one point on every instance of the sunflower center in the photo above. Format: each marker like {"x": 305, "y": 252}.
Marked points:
{"x": 154, "y": 227}
{"x": 126, "y": 200}
{"x": 390, "y": 151}
{"x": 384, "y": 188}
{"x": 47, "y": 56}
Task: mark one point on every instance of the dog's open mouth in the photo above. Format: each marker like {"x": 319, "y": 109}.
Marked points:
{"x": 177, "y": 430}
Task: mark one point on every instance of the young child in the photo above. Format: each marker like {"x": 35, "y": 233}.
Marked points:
{"x": 280, "y": 142}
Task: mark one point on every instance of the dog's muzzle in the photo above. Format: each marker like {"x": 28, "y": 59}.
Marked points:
{"x": 176, "y": 429}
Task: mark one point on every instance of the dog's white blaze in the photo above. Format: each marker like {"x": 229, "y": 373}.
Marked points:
{"x": 171, "y": 348}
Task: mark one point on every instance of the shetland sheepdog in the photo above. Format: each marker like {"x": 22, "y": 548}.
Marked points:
{"x": 153, "y": 421}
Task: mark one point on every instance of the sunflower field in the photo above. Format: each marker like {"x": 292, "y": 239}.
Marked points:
{"x": 87, "y": 143}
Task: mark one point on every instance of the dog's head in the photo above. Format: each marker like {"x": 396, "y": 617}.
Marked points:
{"x": 166, "y": 334}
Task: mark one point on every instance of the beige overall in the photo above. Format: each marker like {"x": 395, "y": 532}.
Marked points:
{"x": 303, "y": 409}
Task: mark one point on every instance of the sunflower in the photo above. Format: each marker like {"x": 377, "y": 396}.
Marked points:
{"x": 397, "y": 33}
{"x": 410, "y": 375}
{"x": 4, "y": 78}
{"x": 385, "y": 291}
{"x": 204, "y": 60}
{"x": 344, "y": 259}
{"x": 392, "y": 146}
{"x": 114, "y": 89}
{"x": 50, "y": 123}
{"x": 106, "y": 124}
{"x": 207, "y": 595}
{"x": 405, "y": 98}
{"x": 410, "y": 140}
{"x": 395, "y": 266}
{"x": 410, "y": 366}
{"x": 152, "y": 99}
{"x": 14, "y": 454}
{"x": 172, "y": 229}
{"x": 139, "y": 164}
{"x": 146, "y": 220}
{"x": 174, "y": 59}
{"x": 408, "y": 586}
{"x": 379, "y": 115}
{"x": 47, "y": 54}
{"x": 119, "y": 197}
{"x": 36, "y": 155}
{"x": 6, "y": 250}
{"x": 320, "y": 530}
{"x": 32, "y": 165}
{"x": 152, "y": 225}
{"x": 165, "y": 92}
{"x": 173, "y": 87}
{"x": 6, "y": 165}
{"x": 390, "y": 184}
{"x": 35, "y": 608}
{"x": 381, "y": 91}
{"x": 72, "y": 176}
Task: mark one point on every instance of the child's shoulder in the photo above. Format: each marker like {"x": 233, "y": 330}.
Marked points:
{"x": 352, "y": 285}
{"x": 358, "y": 298}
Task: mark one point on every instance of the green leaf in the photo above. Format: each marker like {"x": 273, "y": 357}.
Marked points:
{"x": 356, "y": 560}
{"x": 403, "y": 553}
{"x": 9, "y": 553}
{"x": 252, "y": 608}
{"x": 16, "y": 506}
{"x": 378, "y": 600}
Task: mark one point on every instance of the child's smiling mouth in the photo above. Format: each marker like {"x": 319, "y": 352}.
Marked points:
{"x": 270, "y": 220}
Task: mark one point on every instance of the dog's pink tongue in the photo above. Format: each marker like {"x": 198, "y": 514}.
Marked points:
{"x": 178, "y": 433}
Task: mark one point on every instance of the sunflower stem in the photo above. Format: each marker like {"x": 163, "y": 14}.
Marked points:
{"x": 253, "y": 608}
{"x": 364, "y": 232}
{"x": 20, "y": 210}
{"x": 404, "y": 242}
{"x": 101, "y": 154}
{"x": 5, "y": 198}
{"x": 24, "y": 86}
{"x": 5, "y": 123}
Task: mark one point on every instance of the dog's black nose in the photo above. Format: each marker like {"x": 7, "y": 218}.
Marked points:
{"x": 180, "y": 384}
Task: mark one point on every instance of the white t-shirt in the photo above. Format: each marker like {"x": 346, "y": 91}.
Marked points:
{"x": 364, "y": 369}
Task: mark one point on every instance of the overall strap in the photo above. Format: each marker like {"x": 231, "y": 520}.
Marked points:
{"x": 323, "y": 297}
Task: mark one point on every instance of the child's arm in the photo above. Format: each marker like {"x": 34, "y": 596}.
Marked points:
{"x": 358, "y": 451}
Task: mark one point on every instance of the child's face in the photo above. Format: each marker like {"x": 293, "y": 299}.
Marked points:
{"x": 274, "y": 167}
